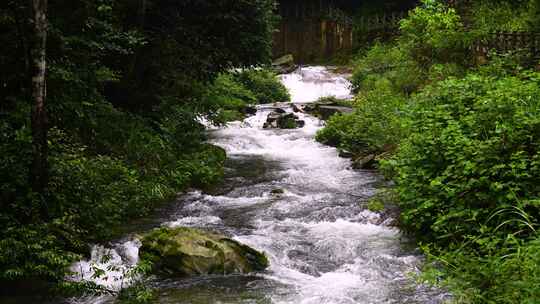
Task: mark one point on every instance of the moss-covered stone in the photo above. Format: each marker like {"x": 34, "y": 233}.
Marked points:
{"x": 189, "y": 252}
{"x": 375, "y": 205}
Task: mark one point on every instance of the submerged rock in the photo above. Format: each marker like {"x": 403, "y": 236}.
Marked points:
{"x": 190, "y": 252}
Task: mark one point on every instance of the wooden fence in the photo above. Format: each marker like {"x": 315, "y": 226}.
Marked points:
{"x": 503, "y": 42}
{"x": 380, "y": 22}
{"x": 312, "y": 40}
{"x": 312, "y": 30}
{"x": 385, "y": 25}
{"x": 315, "y": 30}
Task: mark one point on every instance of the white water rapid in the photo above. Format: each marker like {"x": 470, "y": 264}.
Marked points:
{"x": 324, "y": 246}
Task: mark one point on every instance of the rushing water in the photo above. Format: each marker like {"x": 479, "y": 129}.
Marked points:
{"x": 323, "y": 245}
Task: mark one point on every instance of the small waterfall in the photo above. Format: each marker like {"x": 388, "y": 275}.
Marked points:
{"x": 307, "y": 84}
{"x": 109, "y": 267}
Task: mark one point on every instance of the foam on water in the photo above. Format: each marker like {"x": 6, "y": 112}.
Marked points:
{"x": 115, "y": 264}
{"x": 307, "y": 84}
{"x": 194, "y": 221}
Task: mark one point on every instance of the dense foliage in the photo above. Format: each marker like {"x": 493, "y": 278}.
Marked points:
{"x": 233, "y": 92}
{"x": 264, "y": 86}
{"x": 465, "y": 141}
{"x": 468, "y": 178}
{"x": 473, "y": 149}
{"x": 374, "y": 127}
{"x": 127, "y": 82}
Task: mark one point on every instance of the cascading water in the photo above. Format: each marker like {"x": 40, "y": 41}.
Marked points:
{"x": 309, "y": 83}
{"x": 323, "y": 245}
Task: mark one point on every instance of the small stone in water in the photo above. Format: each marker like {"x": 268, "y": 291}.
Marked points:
{"x": 277, "y": 191}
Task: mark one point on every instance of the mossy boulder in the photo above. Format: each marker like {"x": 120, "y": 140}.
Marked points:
{"x": 284, "y": 64}
{"x": 190, "y": 252}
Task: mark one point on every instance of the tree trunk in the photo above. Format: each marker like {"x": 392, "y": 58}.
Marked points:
{"x": 38, "y": 20}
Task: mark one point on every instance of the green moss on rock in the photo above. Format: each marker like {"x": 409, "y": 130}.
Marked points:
{"x": 189, "y": 252}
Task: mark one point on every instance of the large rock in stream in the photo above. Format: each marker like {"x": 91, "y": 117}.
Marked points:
{"x": 284, "y": 64}
{"x": 283, "y": 120}
{"x": 190, "y": 252}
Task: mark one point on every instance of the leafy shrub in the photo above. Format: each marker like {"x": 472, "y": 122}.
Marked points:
{"x": 230, "y": 98}
{"x": 136, "y": 294}
{"x": 375, "y": 205}
{"x": 503, "y": 15}
{"x": 264, "y": 85}
{"x": 434, "y": 33}
{"x": 390, "y": 62}
{"x": 509, "y": 273}
{"x": 34, "y": 251}
{"x": 473, "y": 150}
{"x": 205, "y": 167}
{"x": 438, "y": 72}
{"x": 90, "y": 194}
{"x": 467, "y": 166}
{"x": 374, "y": 126}
{"x": 534, "y": 15}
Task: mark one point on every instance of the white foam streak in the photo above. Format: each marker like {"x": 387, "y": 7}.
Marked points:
{"x": 108, "y": 267}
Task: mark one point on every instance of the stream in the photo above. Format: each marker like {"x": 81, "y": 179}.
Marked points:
{"x": 324, "y": 246}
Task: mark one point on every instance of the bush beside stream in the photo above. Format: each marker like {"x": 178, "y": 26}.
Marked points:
{"x": 465, "y": 146}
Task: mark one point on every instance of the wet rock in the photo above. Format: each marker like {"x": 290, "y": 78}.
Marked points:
{"x": 367, "y": 162}
{"x": 287, "y": 59}
{"x": 327, "y": 111}
{"x": 283, "y": 121}
{"x": 190, "y": 252}
{"x": 280, "y": 111}
{"x": 284, "y": 64}
{"x": 311, "y": 107}
{"x": 273, "y": 116}
{"x": 287, "y": 121}
{"x": 277, "y": 191}
{"x": 345, "y": 154}
{"x": 271, "y": 120}
{"x": 296, "y": 108}
{"x": 249, "y": 110}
